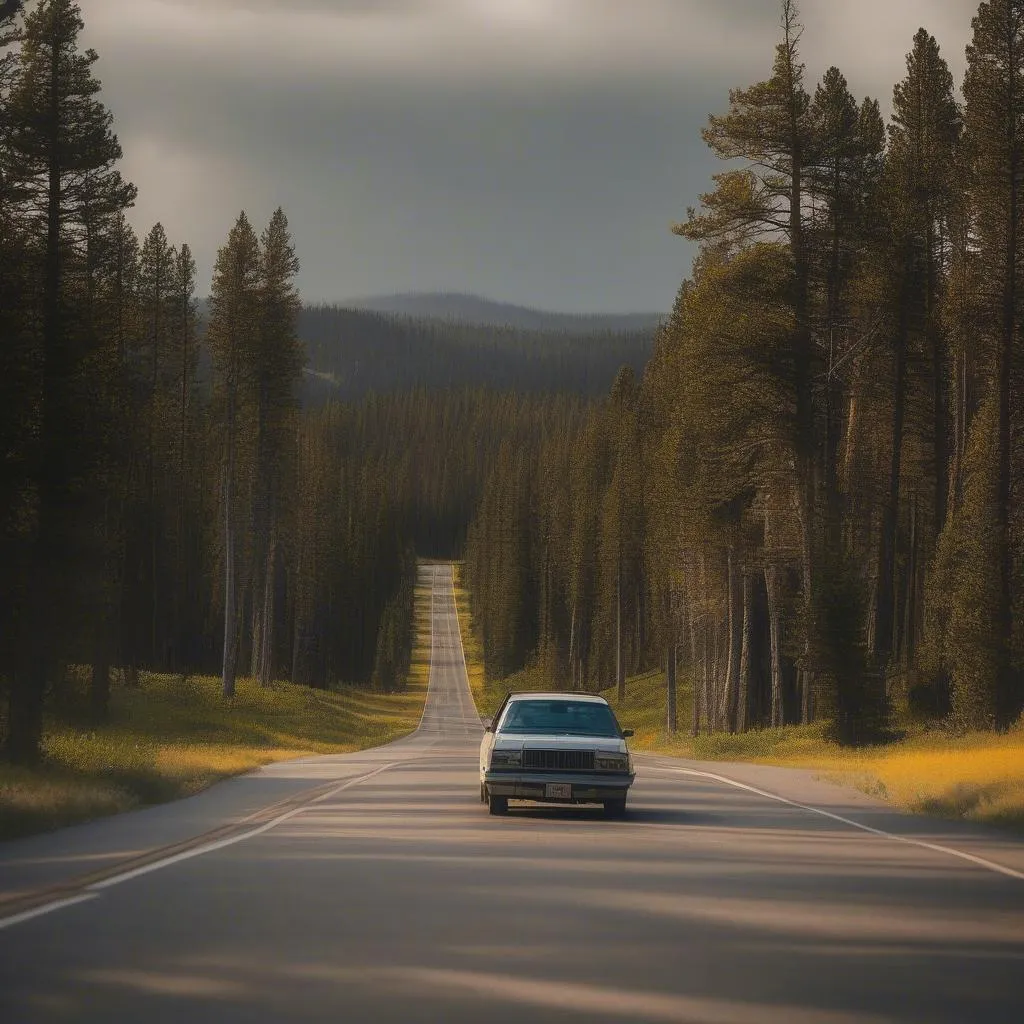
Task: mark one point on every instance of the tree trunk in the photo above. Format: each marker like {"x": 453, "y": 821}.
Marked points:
{"x": 230, "y": 608}
{"x": 940, "y": 417}
{"x": 885, "y": 583}
{"x": 28, "y": 687}
{"x": 671, "y": 712}
{"x": 620, "y": 667}
{"x": 771, "y": 587}
{"x": 804, "y": 676}
{"x": 572, "y": 645}
{"x": 742, "y": 714}
{"x": 804, "y": 388}
{"x": 154, "y": 582}
{"x": 728, "y": 707}
{"x": 960, "y": 430}
{"x": 1008, "y": 700}
{"x": 699, "y": 693}
{"x": 707, "y": 683}
{"x": 181, "y": 582}
{"x": 908, "y": 647}
{"x": 266, "y": 676}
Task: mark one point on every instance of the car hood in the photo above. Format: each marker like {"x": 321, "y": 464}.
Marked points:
{"x": 547, "y": 741}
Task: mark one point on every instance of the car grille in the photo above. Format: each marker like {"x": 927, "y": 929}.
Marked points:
{"x": 559, "y": 760}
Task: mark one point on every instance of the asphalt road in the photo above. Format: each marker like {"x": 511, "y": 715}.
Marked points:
{"x": 379, "y": 889}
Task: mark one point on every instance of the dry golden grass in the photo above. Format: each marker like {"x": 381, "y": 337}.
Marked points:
{"x": 979, "y": 777}
{"x": 173, "y": 737}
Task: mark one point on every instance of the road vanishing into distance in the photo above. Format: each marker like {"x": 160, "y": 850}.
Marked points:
{"x": 375, "y": 887}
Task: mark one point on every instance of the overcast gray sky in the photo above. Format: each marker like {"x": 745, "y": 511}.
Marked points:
{"x": 533, "y": 151}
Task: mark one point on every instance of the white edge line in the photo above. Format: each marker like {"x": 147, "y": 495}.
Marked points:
{"x": 94, "y": 890}
{"x": 49, "y": 908}
{"x": 934, "y": 847}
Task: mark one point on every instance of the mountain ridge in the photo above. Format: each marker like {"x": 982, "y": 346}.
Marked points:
{"x": 467, "y": 308}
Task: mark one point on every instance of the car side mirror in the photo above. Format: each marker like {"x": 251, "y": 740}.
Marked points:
{"x": 627, "y": 733}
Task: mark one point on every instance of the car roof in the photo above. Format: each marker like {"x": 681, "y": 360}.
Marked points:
{"x": 590, "y": 698}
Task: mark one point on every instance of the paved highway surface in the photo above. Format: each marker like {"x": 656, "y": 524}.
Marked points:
{"x": 377, "y": 888}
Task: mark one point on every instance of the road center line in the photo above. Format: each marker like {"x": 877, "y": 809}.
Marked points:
{"x": 982, "y": 862}
{"x": 96, "y": 888}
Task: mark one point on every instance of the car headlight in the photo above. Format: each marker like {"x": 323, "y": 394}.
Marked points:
{"x": 506, "y": 758}
{"x": 611, "y": 762}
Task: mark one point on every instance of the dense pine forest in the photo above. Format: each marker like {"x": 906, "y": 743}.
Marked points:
{"x": 176, "y": 494}
{"x": 810, "y": 500}
{"x": 800, "y": 494}
{"x": 352, "y": 352}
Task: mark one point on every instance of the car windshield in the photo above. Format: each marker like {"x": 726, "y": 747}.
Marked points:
{"x": 560, "y": 717}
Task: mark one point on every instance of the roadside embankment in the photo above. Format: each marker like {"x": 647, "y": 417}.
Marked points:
{"x": 172, "y": 737}
{"x": 978, "y": 776}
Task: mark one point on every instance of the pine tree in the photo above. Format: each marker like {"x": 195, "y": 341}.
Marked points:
{"x": 61, "y": 152}
{"x": 994, "y": 122}
{"x": 276, "y": 372}
{"x": 233, "y": 337}
{"x": 768, "y": 126}
{"x": 918, "y": 200}
{"x": 156, "y": 281}
{"x": 183, "y": 329}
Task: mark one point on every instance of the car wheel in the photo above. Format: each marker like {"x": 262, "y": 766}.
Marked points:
{"x": 615, "y": 808}
{"x": 497, "y": 804}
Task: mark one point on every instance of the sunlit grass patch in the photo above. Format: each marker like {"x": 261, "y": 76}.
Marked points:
{"x": 40, "y": 799}
{"x": 979, "y": 776}
{"x": 172, "y": 737}
{"x": 483, "y": 694}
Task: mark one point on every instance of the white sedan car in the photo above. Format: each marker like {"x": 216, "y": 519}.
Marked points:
{"x": 555, "y": 748}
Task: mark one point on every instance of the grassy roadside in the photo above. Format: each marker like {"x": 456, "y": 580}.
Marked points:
{"x": 171, "y": 738}
{"x": 978, "y": 777}
{"x": 482, "y": 693}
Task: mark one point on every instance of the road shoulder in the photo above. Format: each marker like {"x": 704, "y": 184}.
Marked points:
{"x": 809, "y": 793}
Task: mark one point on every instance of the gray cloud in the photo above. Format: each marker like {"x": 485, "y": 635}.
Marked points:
{"x": 532, "y": 150}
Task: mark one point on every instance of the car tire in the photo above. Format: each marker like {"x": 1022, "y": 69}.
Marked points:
{"x": 497, "y": 804}
{"x": 615, "y": 808}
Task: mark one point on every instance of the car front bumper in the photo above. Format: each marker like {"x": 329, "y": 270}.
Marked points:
{"x": 587, "y": 787}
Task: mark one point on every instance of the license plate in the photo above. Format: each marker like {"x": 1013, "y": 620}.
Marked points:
{"x": 558, "y": 791}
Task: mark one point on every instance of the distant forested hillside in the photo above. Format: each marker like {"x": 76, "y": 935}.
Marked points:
{"x": 472, "y": 309}
{"x": 353, "y": 352}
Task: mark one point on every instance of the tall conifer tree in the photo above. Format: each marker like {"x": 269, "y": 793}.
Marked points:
{"x": 61, "y": 150}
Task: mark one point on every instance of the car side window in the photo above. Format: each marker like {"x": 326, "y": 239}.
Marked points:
{"x": 500, "y": 714}
{"x": 503, "y": 716}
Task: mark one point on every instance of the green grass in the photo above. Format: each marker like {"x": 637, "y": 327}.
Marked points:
{"x": 171, "y": 737}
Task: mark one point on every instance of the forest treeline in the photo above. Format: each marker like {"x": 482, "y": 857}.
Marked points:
{"x": 804, "y": 494}
{"x": 810, "y": 499}
{"x": 352, "y": 352}
{"x": 167, "y": 503}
